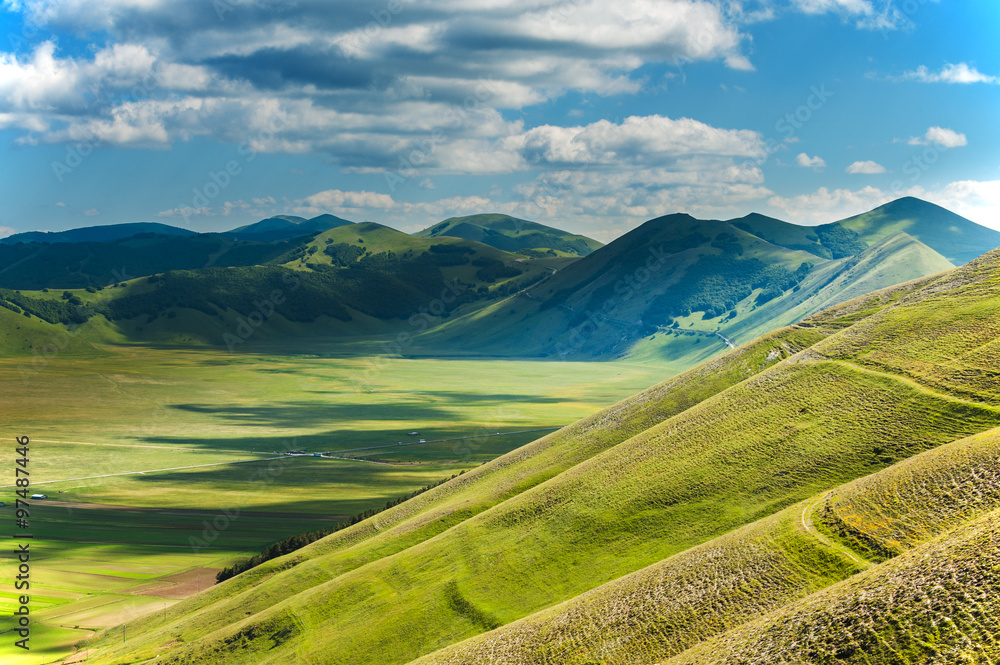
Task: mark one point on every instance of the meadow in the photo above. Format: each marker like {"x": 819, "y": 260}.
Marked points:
{"x": 141, "y": 449}
{"x": 759, "y": 435}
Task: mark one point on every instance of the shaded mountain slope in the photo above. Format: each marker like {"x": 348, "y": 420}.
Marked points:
{"x": 104, "y": 233}
{"x": 286, "y": 227}
{"x": 511, "y": 234}
{"x": 676, "y": 277}
{"x": 953, "y": 236}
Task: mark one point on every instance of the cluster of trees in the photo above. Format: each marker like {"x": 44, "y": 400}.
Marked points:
{"x": 450, "y": 255}
{"x": 841, "y": 241}
{"x": 537, "y": 253}
{"x": 67, "y": 310}
{"x": 492, "y": 270}
{"x": 534, "y": 239}
{"x": 716, "y": 283}
{"x": 344, "y": 254}
{"x": 95, "y": 264}
{"x": 292, "y": 543}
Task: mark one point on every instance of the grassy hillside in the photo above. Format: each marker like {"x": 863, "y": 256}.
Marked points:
{"x": 286, "y": 227}
{"x": 485, "y": 486}
{"x": 801, "y": 426}
{"x": 676, "y": 283}
{"x": 674, "y": 604}
{"x": 355, "y": 280}
{"x": 676, "y": 289}
{"x": 953, "y": 236}
{"x": 937, "y": 603}
{"x": 512, "y": 234}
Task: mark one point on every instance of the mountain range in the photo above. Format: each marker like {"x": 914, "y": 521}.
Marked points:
{"x": 829, "y": 492}
{"x": 675, "y": 288}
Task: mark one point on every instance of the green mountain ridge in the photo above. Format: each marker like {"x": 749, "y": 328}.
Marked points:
{"x": 286, "y": 227}
{"x": 953, "y": 236}
{"x": 512, "y": 234}
{"x": 723, "y": 480}
{"x": 105, "y": 233}
{"x": 676, "y": 279}
{"x": 675, "y": 288}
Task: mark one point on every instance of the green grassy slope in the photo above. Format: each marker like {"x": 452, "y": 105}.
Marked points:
{"x": 103, "y": 233}
{"x": 935, "y": 601}
{"x": 674, "y": 604}
{"x": 435, "y": 511}
{"x": 511, "y": 234}
{"x": 373, "y": 281}
{"x": 283, "y": 227}
{"x": 894, "y": 260}
{"x": 671, "y": 605}
{"x": 675, "y": 277}
{"x": 797, "y": 428}
{"x": 953, "y": 236}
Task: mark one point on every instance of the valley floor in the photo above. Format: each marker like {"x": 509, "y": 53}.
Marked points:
{"x": 142, "y": 450}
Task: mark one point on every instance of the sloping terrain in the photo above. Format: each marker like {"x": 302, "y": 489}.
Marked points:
{"x": 676, "y": 289}
{"x": 951, "y": 235}
{"x": 76, "y": 265}
{"x": 103, "y": 233}
{"x": 286, "y": 227}
{"x": 512, "y": 234}
{"x": 352, "y": 280}
{"x": 484, "y": 551}
{"x": 674, "y": 604}
{"x": 677, "y": 277}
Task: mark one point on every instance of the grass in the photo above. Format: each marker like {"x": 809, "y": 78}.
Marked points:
{"x": 935, "y": 603}
{"x": 490, "y": 484}
{"x": 672, "y": 605}
{"x": 148, "y": 408}
{"x": 598, "y": 501}
{"x": 680, "y": 490}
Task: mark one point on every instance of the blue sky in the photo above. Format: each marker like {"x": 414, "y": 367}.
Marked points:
{"x": 587, "y": 115}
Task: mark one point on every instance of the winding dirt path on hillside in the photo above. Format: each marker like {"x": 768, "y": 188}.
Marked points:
{"x": 810, "y": 528}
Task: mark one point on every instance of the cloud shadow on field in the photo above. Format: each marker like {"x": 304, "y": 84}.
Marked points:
{"x": 335, "y": 439}
{"x": 311, "y": 414}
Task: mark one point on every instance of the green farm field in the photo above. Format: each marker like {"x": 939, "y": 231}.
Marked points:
{"x": 141, "y": 449}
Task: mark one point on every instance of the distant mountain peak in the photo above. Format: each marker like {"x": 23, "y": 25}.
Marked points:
{"x": 101, "y": 233}
{"x": 511, "y": 234}
{"x": 285, "y": 227}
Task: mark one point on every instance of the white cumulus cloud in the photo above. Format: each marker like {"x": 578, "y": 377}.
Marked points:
{"x": 941, "y": 136}
{"x": 960, "y": 73}
{"x": 866, "y": 167}
{"x": 802, "y": 159}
